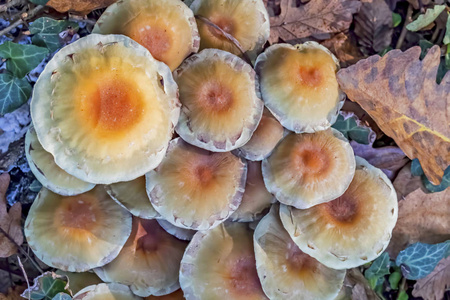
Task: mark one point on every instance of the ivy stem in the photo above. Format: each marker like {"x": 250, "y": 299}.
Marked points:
{"x": 404, "y": 30}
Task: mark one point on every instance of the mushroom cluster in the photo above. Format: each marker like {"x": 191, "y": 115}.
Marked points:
{"x": 172, "y": 173}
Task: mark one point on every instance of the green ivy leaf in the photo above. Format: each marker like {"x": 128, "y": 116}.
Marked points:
{"x": 35, "y": 186}
{"x": 21, "y": 59}
{"x": 419, "y": 259}
{"x": 378, "y": 269}
{"x": 46, "y": 287}
{"x": 394, "y": 279}
{"x": 14, "y": 91}
{"x": 396, "y": 19}
{"x": 39, "y": 2}
{"x": 447, "y": 31}
{"x": 416, "y": 170}
{"x": 46, "y": 32}
{"x": 426, "y": 19}
{"x": 62, "y": 296}
{"x": 403, "y": 296}
{"x": 352, "y": 130}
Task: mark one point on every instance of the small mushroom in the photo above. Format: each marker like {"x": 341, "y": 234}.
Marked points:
{"x": 76, "y": 233}
{"x": 266, "y": 136}
{"x": 78, "y": 281}
{"x": 132, "y": 195}
{"x": 105, "y": 109}
{"x": 256, "y": 199}
{"x": 149, "y": 262}
{"x": 285, "y": 271}
{"x": 247, "y": 21}
{"x": 196, "y": 189}
{"x": 309, "y": 168}
{"x": 167, "y": 28}
{"x": 103, "y": 291}
{"x": 351, "y": 230}
{"x": 178, "y": 232}
{"x": 177, "y": 295}
{"x": 221, "y": 107}
{"x": 49, "y": 174}
{"x": 299, "y": 86}
{"x": 220, "y": 264}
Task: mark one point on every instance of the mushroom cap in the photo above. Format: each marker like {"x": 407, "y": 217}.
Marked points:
{"x": 76, "y": 233}
{"x": 167, "y": 28}
{"x": 178, "y": 232}
{"x": 351, "y": 230}
{"x": 285, "y": 271}
{"x": 49, "y": 174}
{"x": 105, "y": 109}
{"x": 177, "y": 295}
{"x": 309, "y": 168}
{"x": 196, "y": 189}
{"x": 256, "y": 199}
{"x": 132, "y": 196}
{"x": 264, "y": 139}
{"x": 78, "y": 281}
{"x": 103, "y": 291}
{"x": 221, "y": 106}
{"x": 299, "y": 86}
{"x": 149, "y": 262}
{"x": 220, "y": 264}
{"x": 246, "y": 20}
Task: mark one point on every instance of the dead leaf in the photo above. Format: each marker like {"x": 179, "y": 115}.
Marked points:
{"x": 401, "y": 94}
{"x": 345, "y": 50}
{"x": 315, "y": 17}
{"x": 359, "y": 285}
{"x": 13, "y": 293}
{"x": 389, "y": 159}
{"x": 373, "y": 25}
{"x": 435, "y": 284}
{"x": 421, "y": 218}
{"x": 9, "y": 221}
{"x": 79, "y": 6}
{"x": 406, "y": 183}
{"x": 415, "y": 3}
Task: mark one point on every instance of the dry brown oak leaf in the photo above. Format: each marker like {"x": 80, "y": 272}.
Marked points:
{"x": 9, "y": 221}
{"x": 315, "y": 17}
{"x": 421, "y": 218}
{"x": 400, "y": 93}
{"x": 79, "y": 6}
{"x": 435, "y": 284}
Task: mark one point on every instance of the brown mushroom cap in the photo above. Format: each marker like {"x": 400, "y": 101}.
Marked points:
{"x": 76, "y": 233}
{"x": 132, "y": 195}
{"x": 351, "y": 230}
{"x": 221, "y": 107}
{"x": 299, "y": 86}
{"x": 196, "y": 189}
{"x": 78, "y": 281}
{"x": 178, "y": 232}
{"x": 309, "y": 168}
{"x": 256, "y": 199}
{"x": 167, "y": 28}
{"x": 220, "y": 264}
{"x": 266, "y": 136}
{"x": 105, "y": 109}
{"x": 246, "y": 20}
{"x": 103, "y": 291}
{"x": 149, "y": 262}
{"x": 49, "y": 174}
{"x": 285, "y": 271}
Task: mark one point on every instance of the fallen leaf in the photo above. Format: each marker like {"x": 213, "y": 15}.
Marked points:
{"x": 401, "y": 94}
{"x": 360, "y": 286}
{"x": 373, "y": 25}
{"x": 389, "y": 159}
{"x": 345, "y": 50}
{"x": 415, "y": 3}
{"x": 435, "y": 284}
{"x": 421, "y": 218}
{"x": 82, "y": 7}
{"x": 406, "y": 183}
{"x": 13, "y": 293}
{"x": 9, "y": 221}
{"x": 315, "y": 17}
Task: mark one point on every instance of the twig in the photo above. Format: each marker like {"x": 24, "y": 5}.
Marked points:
{"x": 404, "y": 30}
{"x": 4, "y": 7}
{"x": 228, "y": 36}
{"x": 22, "y": 19}
{"x": 21, "y": 250}
{"x": 25, "y": 275}
{"x": 87, "y": 21}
